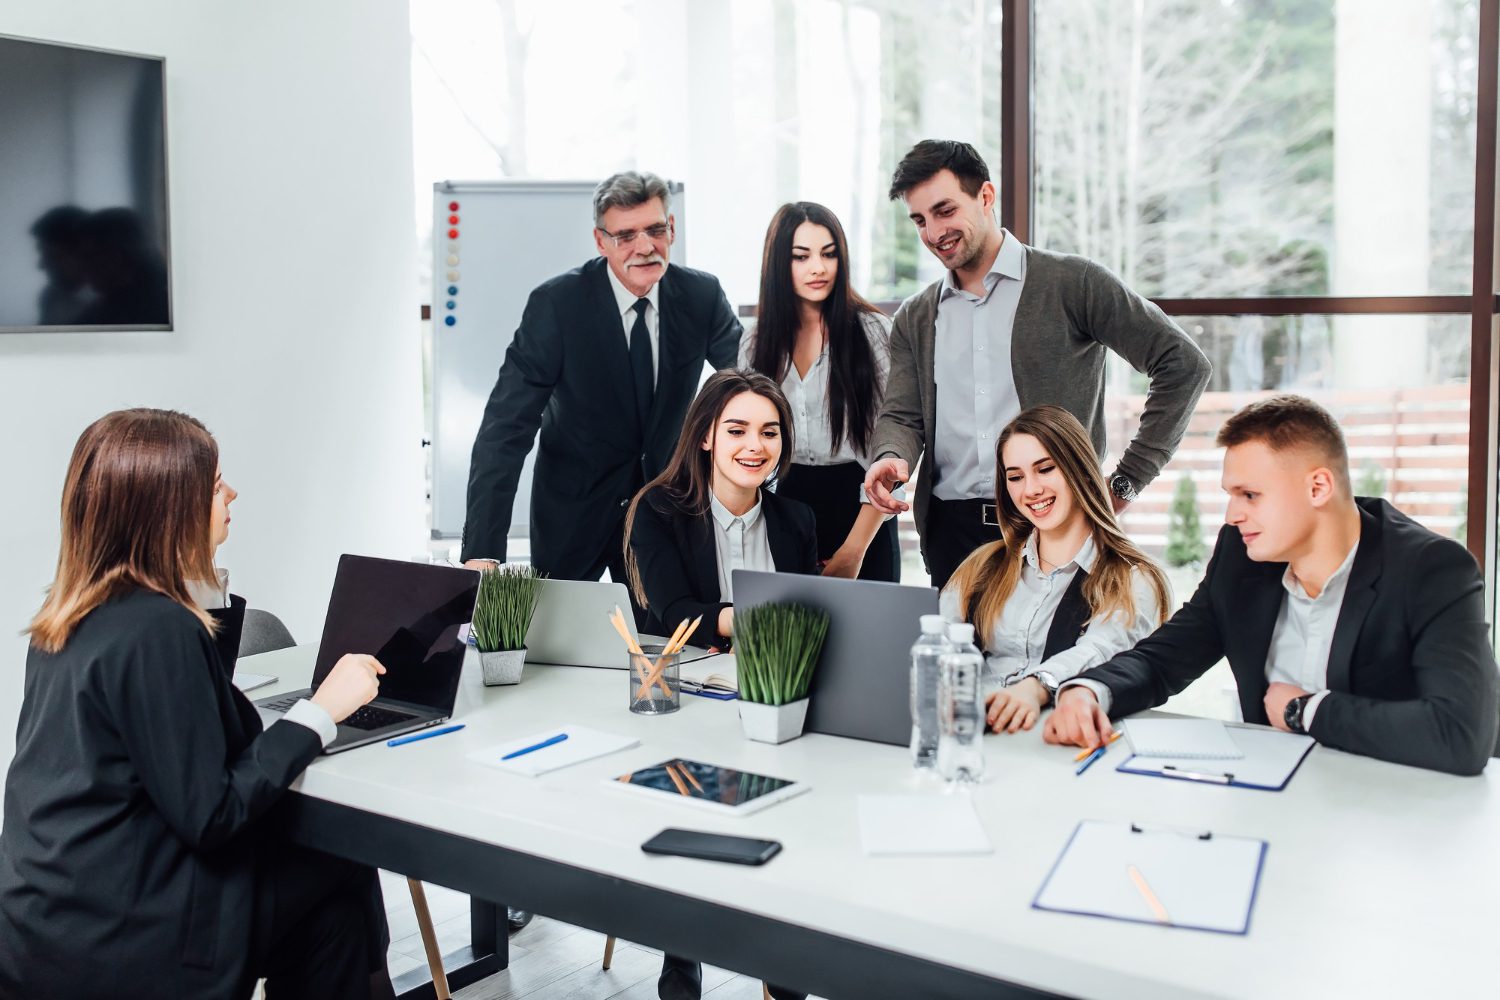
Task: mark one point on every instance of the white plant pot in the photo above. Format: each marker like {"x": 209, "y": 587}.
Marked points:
{"x": 502, "y": 666}
{"x": 773, "y": 723}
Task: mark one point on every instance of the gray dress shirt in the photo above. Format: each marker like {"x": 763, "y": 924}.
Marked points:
{"x": 741, "y": 543}
{"x": 976, "y": 392}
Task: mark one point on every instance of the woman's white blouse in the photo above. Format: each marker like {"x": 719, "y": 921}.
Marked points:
{"x": 1014, "y": 647}
{"x": 808, "y": 396}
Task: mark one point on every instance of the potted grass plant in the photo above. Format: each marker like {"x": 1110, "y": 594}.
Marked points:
{"x": 776, "y": 649}
{"x": 502, "y": 614}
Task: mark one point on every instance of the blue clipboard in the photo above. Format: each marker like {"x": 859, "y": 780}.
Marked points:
{"x": 1172, "y": 878}
{"x": 1270, "y": 759}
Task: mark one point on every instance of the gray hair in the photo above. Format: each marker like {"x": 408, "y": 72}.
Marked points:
{"x": 627, "y": 189}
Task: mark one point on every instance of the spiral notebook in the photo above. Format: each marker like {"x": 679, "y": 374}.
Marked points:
{"x": 1185, "y": 739}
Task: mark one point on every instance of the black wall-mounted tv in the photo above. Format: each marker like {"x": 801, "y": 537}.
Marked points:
{"x": 83, "y": 189}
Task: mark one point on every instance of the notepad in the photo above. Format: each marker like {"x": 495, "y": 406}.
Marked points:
{"x": 249, "y": 682}
{"x": 582, "y": 744}
{"x": 1186, "y": 739}
{"x": 1269, "y": 760}
{"x": 1198, "y": 882}
{"x": 921, "y": 824}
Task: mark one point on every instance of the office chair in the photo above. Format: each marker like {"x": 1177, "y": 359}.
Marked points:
{"x": 264, "y": 632}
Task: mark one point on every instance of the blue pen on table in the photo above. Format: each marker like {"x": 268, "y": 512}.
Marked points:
{"x": 536, "y": 746}
{"x": 1089, "y": 760}
{"x": 425, "y": 734}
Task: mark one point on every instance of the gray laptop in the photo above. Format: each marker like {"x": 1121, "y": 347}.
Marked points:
{"x": 571, "y": 626}
{"x": 862, "y": 685}
{"x": 407, "y": 615}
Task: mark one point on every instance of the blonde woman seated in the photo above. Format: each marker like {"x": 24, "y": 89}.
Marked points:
{"x": 1064, "y": 589}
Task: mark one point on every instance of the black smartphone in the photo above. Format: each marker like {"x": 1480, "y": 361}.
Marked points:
{"x": 712, "y": 846}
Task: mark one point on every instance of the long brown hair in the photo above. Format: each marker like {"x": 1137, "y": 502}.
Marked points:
{"x": 136, "y": 513}
{"x": 854, "y": 389}
{"x": 686, "y": 482}
{"x": 988, "y": 578}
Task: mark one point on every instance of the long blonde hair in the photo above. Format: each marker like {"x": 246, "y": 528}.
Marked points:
{"x": 988, "y": 577}
{"x": 136, "y": 513}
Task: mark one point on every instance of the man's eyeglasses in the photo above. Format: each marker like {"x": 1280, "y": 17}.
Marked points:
{"x": 627, "y": 237}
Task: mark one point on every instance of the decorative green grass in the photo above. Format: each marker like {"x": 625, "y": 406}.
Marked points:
{"x": 507, "y": 599}
{"x": 776, "y": 648}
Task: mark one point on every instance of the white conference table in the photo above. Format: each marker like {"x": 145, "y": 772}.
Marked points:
{"x": 1377, "y": 882}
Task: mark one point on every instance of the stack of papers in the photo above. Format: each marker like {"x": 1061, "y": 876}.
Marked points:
{"x": 1187, "y": 739}
{"x": 921, "y": 824}
{"x": 582, "y": 744}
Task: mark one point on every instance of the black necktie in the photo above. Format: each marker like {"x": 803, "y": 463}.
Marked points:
{"x": 640, "y": 360}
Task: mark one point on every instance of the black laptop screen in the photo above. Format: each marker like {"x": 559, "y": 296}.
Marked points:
{"x": 407, "y": 615}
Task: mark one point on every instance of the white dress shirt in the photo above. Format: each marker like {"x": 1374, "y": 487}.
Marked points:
{"x": 1300, "y": 641}
{"x": 1015, "y": 645}
{"x": 625, "y": 300}
{"x": 976, "y": 391}
{"x": 741, "y": 543}
{"x": 808, "y": 397}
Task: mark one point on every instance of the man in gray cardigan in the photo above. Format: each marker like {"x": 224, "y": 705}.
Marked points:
{"x": 1009, "y": 327}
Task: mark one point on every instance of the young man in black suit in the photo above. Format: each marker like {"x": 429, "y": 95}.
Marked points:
{"x": 606, "y": 360}
{"x": 1340, "y": 616}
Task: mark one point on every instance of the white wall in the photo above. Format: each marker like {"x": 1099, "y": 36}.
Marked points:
{"x": 289, "y": 144}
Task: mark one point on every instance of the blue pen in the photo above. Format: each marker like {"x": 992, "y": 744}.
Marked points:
{"x": 536, "y": 746}
{"x": 423, "y": 735}
{"x": 1090, "y": 759}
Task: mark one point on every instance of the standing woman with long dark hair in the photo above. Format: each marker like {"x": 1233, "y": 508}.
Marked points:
{"x": 135, "y": 861}
{"x": 830, "y": 351}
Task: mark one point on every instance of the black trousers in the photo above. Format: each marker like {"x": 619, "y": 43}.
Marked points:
{"x": 320, "y": 930}
{"x": 956, "y": 528}
{"x": 832, "y": 491}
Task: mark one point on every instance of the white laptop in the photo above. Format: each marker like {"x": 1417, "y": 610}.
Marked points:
{"x": 571, "y": 626}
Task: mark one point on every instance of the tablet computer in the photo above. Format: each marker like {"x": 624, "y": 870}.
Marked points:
{"x": 724, "y": 790}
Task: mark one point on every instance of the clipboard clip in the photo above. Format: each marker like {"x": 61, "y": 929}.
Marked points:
{"x": 1197, "y": 834}
{"x": 1211, "y": 776}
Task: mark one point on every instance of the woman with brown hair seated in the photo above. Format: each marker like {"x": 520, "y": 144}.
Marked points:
{"x": 136, "y": 859}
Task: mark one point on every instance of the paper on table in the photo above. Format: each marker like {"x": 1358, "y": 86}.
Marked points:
{"x": 249, "y": 682}
{"x": 921, "y": 824}
{"x": 1201, "y": 884}
{"x": 582, "y": 744}
{"x": 1193, "y": 739}
{"x": 1270, "y": 758}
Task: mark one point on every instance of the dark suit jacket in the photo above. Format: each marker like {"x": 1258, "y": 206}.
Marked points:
{"x": 679, "y": 563}
{"x": 568, "y": 371}
{"x": 1411, "y": 672}
{"x": 128, "y": 855}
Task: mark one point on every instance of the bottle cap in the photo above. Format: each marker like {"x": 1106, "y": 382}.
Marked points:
{"x": 961, "y": 632}
{"x": 933, "y": 623}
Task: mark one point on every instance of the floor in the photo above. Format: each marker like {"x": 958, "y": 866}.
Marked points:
{"x": 549, "y": 960}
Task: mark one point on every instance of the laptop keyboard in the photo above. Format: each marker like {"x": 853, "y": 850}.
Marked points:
{"x": 280, "y": 704}
{"x": 370, "y": 717}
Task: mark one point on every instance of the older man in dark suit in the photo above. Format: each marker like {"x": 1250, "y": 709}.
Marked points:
{"x": 606, "y": 360}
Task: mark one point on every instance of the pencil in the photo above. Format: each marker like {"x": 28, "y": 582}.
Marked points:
{"x": 1157, "y": 910}
{"x": 618, "y": 621}
{"x": 1084, "y": 753}
{"x": 1088, "y": 761}
{"x": 672, "y": 773}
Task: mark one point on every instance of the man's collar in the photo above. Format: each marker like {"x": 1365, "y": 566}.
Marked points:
{"x": 625, "y": 298}
{"x": 1010, "y": 262}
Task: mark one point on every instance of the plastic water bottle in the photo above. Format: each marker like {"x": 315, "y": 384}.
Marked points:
{"x": 925, "y": 671}
{"x": 961, "y": 707}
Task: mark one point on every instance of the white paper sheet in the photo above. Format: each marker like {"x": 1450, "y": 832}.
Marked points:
{"x": 582, "y": 744}
{"x": 921, "y": 824}
{"x": 249, "y": 682}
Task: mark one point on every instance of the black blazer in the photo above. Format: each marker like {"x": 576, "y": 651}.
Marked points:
{"x": 679, "y": 563}
{"x": 128, "y": 854}
{"x": 568, "y": 371}
{"x": 1411, "y": 671}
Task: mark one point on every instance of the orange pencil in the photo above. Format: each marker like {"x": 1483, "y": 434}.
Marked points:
{"x": 1084, "y": 753}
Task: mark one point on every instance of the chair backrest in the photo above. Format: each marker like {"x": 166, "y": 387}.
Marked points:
{"x": 263, "y": 632}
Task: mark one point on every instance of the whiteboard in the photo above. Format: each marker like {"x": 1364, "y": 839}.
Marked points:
{"x": 511, "y": 237}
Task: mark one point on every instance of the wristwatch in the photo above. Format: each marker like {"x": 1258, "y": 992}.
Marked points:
{"x": 1121, "y": 486}
{"x": 1292, "y": 714}
{"x": 1049, "y": 684}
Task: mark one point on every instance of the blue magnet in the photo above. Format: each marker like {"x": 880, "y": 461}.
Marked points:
{"x": 449, "y": 320}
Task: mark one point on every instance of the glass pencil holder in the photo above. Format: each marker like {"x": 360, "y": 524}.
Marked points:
{"x": 655, "y": 682}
